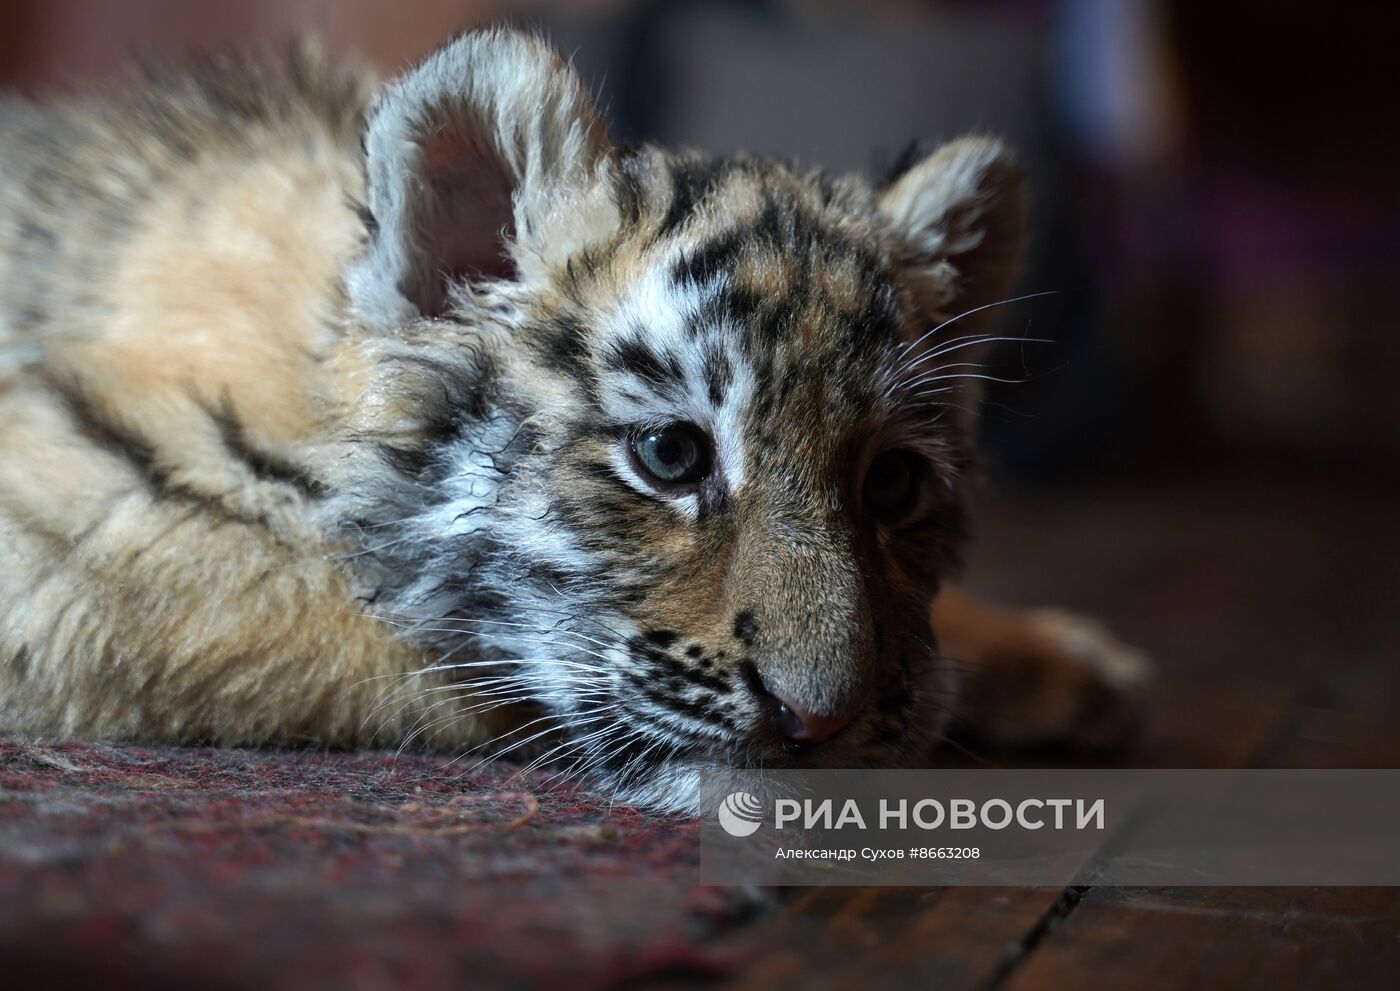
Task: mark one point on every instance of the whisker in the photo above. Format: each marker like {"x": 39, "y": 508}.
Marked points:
{"x": 492, "y": 636}
{"x": 978, "y": 309}
{"x": 521, "y": 743}
{"x": 468, "y": 625}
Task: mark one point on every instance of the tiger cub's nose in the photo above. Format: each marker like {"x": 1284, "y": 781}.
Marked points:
{"x": 801, "y": 726}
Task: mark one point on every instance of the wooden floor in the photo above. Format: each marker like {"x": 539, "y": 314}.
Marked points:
{"x": 1271, "y": 601}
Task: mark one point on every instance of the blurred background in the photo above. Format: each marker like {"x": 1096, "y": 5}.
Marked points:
{"x": 1215, "y": 183}
{"x": 1207, "y": 454}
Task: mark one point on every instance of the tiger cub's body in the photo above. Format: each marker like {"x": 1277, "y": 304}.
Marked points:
{"x": 296, "y": 445}
{"x": 174, "y": 363}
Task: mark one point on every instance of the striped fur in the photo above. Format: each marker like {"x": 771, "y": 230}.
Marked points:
{"x": 314, "y": 412}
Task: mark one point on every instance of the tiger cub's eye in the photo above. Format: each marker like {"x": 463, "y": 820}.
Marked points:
{"x": 891, "y": 488}
{"x": 676, "y": 454}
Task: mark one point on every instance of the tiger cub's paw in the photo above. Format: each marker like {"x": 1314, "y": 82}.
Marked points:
{"x": 1053, "y": 678}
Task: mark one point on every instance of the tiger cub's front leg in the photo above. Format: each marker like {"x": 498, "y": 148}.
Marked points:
{"x": 1040, "y": 677}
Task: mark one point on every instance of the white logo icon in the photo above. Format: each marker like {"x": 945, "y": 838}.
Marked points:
{"x": 741, "y": 814}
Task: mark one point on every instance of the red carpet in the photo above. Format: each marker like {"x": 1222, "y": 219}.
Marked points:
{"x": 127, "y": 866}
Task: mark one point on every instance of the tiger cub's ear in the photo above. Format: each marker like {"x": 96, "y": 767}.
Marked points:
{"x": 483, "y": 161}
{"x": 959, "y": 219}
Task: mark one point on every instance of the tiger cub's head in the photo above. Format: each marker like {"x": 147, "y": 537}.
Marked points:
{"x": 676, "y": 439}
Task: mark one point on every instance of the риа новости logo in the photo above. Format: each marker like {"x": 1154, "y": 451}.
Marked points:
{"x": 740, "y": 814}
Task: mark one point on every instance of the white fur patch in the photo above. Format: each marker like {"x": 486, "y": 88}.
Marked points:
{"x": 667, "y": 312}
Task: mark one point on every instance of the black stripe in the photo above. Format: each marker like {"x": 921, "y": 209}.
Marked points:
{"x": 719, "y": 373}
{"x": 563, "y": 343}
{"x": 19, "y": 663}
{"x": 674, "y": 668}
{"x": 909, "y": 156}
{"x": 713, "y": 258}
{"x": 367, "y": 219}
{"x": 265, "y": 465}
{"x": 695, "y": 710}
{"x": 98, "y": 430}
{"x": 628, "y": 187}
{"x": 463, "y": 391}
{"x": 692, "y": 181}
{"x": 132, "y": 448}
{"x": 633, "y": 355}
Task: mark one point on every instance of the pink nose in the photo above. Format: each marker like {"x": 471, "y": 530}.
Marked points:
{"x": 801, "y": 726}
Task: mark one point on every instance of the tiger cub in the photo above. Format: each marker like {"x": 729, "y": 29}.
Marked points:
{"x": 425, "y": 415}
